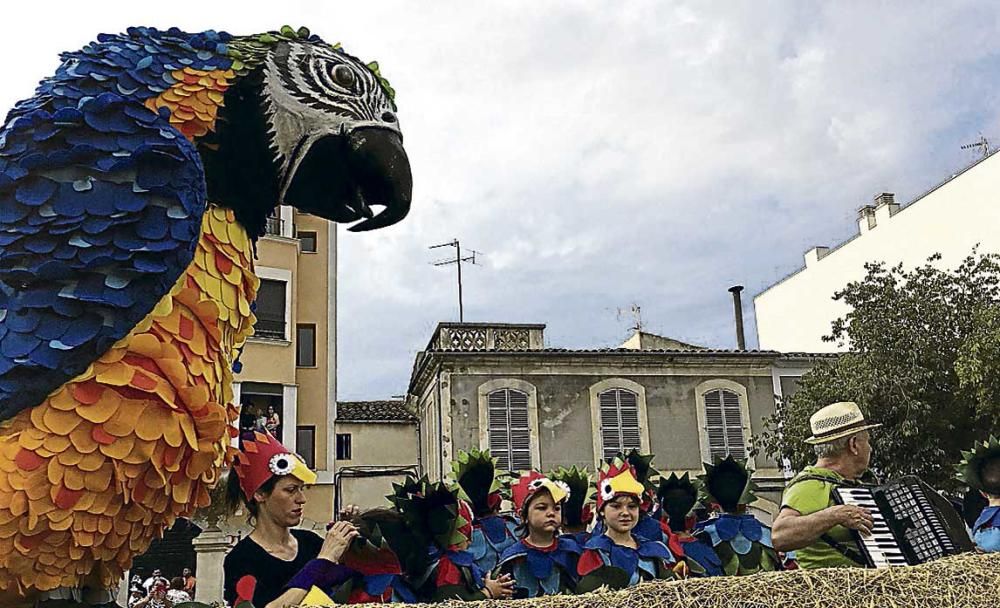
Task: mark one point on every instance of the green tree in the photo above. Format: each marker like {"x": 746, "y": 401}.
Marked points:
{"x": 923, "y": 360}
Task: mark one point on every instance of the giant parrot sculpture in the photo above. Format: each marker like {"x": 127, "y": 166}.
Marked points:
{"x": 133, "y": 186}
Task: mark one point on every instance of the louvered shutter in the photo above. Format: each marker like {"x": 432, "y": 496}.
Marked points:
{"x": 724, "y": 424}
{"x": 509, "y": 431}
{"x": 619, "y": 422}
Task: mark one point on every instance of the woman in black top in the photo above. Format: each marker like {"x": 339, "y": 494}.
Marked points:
{"x": 276, "y": 565}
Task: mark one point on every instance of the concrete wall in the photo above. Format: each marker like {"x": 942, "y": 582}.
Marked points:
{"x": 794, "y": 314}
{"x": 376, "y": 444}
{"x": 316, "y": 303}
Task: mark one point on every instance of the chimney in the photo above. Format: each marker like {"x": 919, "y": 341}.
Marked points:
{"x": 885, "y": 207}
{"x": 866, "y": 218}
{"x": 741, "y": 342}
{"x": 816, "y": 254}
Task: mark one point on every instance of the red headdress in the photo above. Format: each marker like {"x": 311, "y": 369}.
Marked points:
{"x": 617, "y": 479}
{"x": 262, "y": 457}
{"x": 530, "y": 483}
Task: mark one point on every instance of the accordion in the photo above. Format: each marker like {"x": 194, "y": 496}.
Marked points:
{"x": 913, "y": 523}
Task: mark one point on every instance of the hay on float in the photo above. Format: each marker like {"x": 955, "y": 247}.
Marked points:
{"x": 962, "y": 581}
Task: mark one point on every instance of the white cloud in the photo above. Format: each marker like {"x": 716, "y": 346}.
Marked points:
{"x": 651, "y": 152}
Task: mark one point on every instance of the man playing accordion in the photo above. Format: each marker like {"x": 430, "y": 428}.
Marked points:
{"x": 809, "y": 522}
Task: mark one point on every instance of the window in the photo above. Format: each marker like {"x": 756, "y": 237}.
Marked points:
{"x": 619, "y": 422}
{"x": 307, "y": 242}
{"x": 305, "y": 444}
{"x": 723, "y": 419}
{"x": 270, "y": 310}
{"x": 305, "y": 345}
{"x": 509, "y": 430}
{"x": 343, "y": 446}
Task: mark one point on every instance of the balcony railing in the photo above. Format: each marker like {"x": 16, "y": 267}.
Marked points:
{"x": 273, "y": 329}
{"x": 274, "y": 226}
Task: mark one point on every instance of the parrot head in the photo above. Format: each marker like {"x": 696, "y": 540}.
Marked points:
{"x": 312, "y": 127}
{"x": 276, "y": 118}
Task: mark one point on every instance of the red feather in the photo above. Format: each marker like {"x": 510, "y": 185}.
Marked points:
{"x": 589, "y": 561}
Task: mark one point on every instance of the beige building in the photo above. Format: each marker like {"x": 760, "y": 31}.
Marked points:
{"x": 376, "y": 444}
{"x": 496, "y": 386}
{"x": 290, "y": 364}
{"x": 796, "y": 312}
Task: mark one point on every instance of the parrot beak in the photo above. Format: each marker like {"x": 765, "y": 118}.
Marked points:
{"x": 341, "y": 177}
{"x": 557, "y": 492}
{"x": 626, "y": 484}
{"x": 303, "y": 473}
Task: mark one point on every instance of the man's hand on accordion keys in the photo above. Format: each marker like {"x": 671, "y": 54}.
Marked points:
{"x": 855, "y": 518}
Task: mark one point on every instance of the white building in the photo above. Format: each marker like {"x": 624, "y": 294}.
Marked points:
{"x": 794, "y": 313}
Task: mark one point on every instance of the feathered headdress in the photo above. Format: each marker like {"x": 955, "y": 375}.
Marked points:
{"x": 530, "y": 483}
{"x": 677, "y": 497}
{"x": 728, "y": 483}
{"x": 577, "y": 510}
{"x": 478, "y": 480}
{"x": 642, "y": 464}
{"x": 970, "y": 470}
{"x": 617, "y": 478}
{"x": 387, "y": 545}
{"x": 435, "y": 510}
{"x": 262, "y": 456}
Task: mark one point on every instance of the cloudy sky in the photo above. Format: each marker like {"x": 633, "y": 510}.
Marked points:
{"x": 604, "y": 154}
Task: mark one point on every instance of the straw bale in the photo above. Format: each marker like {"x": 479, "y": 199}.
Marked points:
{"x": 963, "y": 581}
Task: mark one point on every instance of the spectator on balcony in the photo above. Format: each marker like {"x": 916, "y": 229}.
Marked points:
{"x": 272, "y": 421}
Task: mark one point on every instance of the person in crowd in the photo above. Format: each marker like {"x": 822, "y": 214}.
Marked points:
{"x": 741, "y": 543}
{"x": 577, "y": 510}
{"x": 542, "y": 562}
{"x": 272, "y": 421}
{"x": 483, "y": 486}
{"x": 981, "y": 471}
{"x": 446, "y": 521}
{"x": 677, "y": 498}
{"x": 649, "y": 515}
{"x": 176, "y": 593}
{"x": 157, "y": 597}
{"x": 277, "y": 565}
{"x": 189, "y": 581}
{"x": 135, "y": 594}
{"x": 387, "y": 556}
{"x": 809, "y": 522}
{"x": 156, "y": 576}
{"x": 617, "y": 557}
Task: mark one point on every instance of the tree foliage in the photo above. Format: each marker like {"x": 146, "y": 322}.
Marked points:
{"x": 923, "y": 360}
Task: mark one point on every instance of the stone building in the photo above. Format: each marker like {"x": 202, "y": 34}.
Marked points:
{"x": 497, "y": 386}
{"x": 376, "y": 445}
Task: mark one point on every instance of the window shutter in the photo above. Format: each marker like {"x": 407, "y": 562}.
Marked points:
{"x": 509, "y": 431}
{"x": 724, "y": 425}
{"x": 619, "y": 422}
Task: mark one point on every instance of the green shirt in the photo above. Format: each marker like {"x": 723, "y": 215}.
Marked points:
{"x": 807, "y": 497}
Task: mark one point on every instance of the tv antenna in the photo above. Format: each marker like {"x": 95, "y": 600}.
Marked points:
{"x": 457, "y": 261}
{"x": 635, "y": 311}
{"x": 982, "y": 143}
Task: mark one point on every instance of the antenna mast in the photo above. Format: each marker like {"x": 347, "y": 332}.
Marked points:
{"x": 458, "y": 259}
{"x": 982, "y": 143}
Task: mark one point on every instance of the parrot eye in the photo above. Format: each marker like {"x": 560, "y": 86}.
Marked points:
{"x": 607, "y": 493}
{"x": 281, "y": 464}
{"x": 344, "y": 76}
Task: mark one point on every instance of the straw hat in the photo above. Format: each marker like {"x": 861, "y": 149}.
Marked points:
{"x": 837, "y": 420}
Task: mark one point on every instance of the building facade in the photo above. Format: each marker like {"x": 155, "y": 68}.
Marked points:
{"x": 497, "y": 386}
{"x": 795, "y": 313}
{"x": 289, "y": 366}
{"x": 376, "y": 445}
